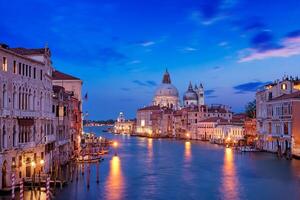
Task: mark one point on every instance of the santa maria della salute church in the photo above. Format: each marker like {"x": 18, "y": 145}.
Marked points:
{"x": 168, "y": 117}
{"x": 167, "y": 96}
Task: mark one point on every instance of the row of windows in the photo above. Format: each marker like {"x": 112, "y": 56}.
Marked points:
{"x": 22, "y": 69}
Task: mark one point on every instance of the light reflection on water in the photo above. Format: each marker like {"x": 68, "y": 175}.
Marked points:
{"x": 171, "y": 169}
{"x": 114, "y": 186}
{"x": 230, "y": 182}
{"x": 187, "y": 150}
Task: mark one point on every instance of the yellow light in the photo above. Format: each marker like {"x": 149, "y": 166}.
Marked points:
{"x": 42, "y": 162}
{"x": 115, "y": 144}
{"x": 188, "y": 135}
{"x": 33, "y": 164}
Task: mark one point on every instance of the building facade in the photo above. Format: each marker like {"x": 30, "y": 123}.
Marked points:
{"x": 163, "y": 119}
{"x": 123, "y": 126}
{"x": 29, "y": 127}
{"x": 25, "y": 112}
{"x": 277, "y": 108}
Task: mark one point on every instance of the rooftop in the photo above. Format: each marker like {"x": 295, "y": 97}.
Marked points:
{"x": 25, "y": 51}
{"x": 57, "y": 75}
{"x": 295, "y": 95}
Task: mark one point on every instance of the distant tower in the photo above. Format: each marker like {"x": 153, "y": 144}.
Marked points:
{"x": 121, "y": 117}
{"x": 200, "y": 93}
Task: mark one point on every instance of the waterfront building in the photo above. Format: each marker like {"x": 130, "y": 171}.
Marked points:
{"x": 144, "y": 118}
{"x": 25, "y": 112}
{"x": 72, "y": 88}
{"x": 220, "y": 130}
{"x": 123, "y": 126}
{"x": 277, "y": 110}
{"x": 37, "y": 121}
{"x": 167, "y": 118}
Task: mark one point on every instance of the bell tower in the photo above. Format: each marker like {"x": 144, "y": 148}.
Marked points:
{"x": 200, "y": 93}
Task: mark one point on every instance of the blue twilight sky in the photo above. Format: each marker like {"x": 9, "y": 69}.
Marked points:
{"x": 120, "y": 48}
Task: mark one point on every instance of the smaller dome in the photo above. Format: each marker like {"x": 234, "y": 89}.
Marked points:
{"x": 190, "y": 94}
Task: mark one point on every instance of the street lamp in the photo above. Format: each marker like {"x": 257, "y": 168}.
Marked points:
{"x": 115, "y": 145}
{"x": 33, "y": 164}
{"x": 42, "y": 162}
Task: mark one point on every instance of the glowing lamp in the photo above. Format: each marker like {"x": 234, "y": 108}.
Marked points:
{"x": 115, "y": 144}
{"x": 42, "y": 162}
{"x": 33, "y": 164}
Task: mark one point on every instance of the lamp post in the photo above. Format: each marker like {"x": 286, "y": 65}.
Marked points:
{"x": 33, "y": 164}
{"x": 42, "y": 162}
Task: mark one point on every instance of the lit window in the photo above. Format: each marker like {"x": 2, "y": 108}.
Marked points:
{"x": 15, "y": 67}
{"x": 4, "y": 64}
{"x": 142, "y": 122}
{"x": 283, "y": 86}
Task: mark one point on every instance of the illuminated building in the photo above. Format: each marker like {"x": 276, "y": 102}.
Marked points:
{"x": 28, "y": 129}
{"x": 167, "y": 118}
{"x": 123, "y": 126}
{"x": 277, "y": 110}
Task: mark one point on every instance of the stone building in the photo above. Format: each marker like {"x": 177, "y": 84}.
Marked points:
{"x": 25, "y": 112}
{"x": 30, "y": 131}
{"x": 277, "y": 110}
{"x": 167, "y": 118}
{"x": 72, "y": 88}
{"x": 123, "y": 126}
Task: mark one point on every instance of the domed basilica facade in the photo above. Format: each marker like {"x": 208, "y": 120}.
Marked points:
{"x": 167, "y": 96}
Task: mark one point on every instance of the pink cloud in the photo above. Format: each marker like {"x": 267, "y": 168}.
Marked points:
{"x": 290, "y": 47}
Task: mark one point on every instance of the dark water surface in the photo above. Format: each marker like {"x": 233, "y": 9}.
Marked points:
{"x": 169, "y": 169}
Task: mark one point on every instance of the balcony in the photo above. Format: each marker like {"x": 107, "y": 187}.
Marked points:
{"x": 5, "y": 112}
{"x": 62, "y": 142}
{"x": 27, "y": 145}
{"x": 50, "y": 138}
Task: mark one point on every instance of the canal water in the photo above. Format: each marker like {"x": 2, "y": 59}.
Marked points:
{"x": 172, "y": 169}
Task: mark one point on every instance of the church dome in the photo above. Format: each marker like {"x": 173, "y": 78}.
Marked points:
{"x": 166, "y": 88}
{"x": 166, "y": 94}
{"x": 190, "y": 94}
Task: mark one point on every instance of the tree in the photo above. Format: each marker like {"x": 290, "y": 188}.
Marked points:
{"x": 250, "y": 109}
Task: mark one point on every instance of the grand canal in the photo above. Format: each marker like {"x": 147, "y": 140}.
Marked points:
{"x": 169, "y": 169}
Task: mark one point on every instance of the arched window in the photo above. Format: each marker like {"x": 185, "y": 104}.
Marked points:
{"x": 4, "y": 138}
{"x": 34, "y": 100}
{"x": 15, "y": 137}
{"x": 4, "y": 96}
{"x": 15, "y": 98}
{"x": 20, "y": 98}
{"x": 41, "y": 102}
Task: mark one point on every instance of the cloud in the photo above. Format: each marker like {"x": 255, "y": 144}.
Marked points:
{"x": 148, "y": 83}
{"x": 211, "y": 11}
{"x": 223, "y": 44}
{"x": 146, "y": 43}
{"x": 189, "y": 49}
{"x": 151, "y": 83}
{"x": 263, "y": 48}
{"x": 250, "y": 24}
{"x": 249, "y": 87}
{"x": 211, "y": 96}
{"x": 209, "y": 92}
{"x": 134, "y": 62}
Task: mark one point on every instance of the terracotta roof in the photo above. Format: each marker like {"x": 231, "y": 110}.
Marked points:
{"x": 57, "y": 75}
{"x": 24, "y": 51}
{"x": 295, "y": 95}
{"x": 149, "y": 108}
